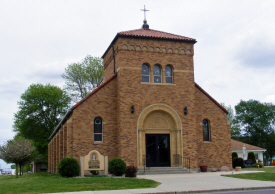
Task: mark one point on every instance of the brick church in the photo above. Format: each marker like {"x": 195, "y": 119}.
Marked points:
{"x": 148, "y": 111}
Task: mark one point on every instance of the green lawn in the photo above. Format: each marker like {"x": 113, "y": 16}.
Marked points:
{"x": 52, "y": 183}
{"x": 268, "y": 175}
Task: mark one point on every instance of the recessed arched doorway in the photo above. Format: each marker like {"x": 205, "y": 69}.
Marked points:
{"x": 159, "y": 138}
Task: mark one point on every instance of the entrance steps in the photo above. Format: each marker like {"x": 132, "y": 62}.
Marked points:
{"x": 163, "y": 170}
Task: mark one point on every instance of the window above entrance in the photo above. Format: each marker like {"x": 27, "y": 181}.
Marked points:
{"x": 145, "y": 73}
{"x": 159, "y": 76}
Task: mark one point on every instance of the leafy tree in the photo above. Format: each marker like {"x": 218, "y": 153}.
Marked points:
{"x": 82, "y": 78}
{"x": 19, "y": 151}
{"x": 40, "y": 110}
{"x": 235, "y": 131}
{"x": 256, "y": 122}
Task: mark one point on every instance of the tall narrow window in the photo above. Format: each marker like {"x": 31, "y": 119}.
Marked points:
{"x": 157, "y": 74}
{"x": 168, "y": 74}
{"x": 145, "y": 73}
{"x": 205, "y": 127}
{"x": 97, "y": 129}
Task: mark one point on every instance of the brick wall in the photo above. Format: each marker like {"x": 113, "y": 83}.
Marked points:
{"x": 113, "y": 104}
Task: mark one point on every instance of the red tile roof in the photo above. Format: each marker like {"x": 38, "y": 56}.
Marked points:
{"x": 150, "y": 34}
{"x": 154, "y": 34}
{"x": 210, "y": 97}
{"x": 237, "y": 145}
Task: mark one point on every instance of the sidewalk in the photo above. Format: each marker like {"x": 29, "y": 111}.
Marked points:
{"x": 190, "y": 183}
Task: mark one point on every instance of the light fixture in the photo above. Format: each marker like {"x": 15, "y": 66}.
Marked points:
{"x": 185, "y": 110}
{"x": 132, "y": 109}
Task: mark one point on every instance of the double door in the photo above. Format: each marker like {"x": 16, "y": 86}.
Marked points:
{"x": 157, "y": 150}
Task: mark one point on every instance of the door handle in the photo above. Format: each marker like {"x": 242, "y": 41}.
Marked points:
{"x": 158, "y": 147}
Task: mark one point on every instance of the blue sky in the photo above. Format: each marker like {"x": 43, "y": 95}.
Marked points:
{"x": 234, "y": 56}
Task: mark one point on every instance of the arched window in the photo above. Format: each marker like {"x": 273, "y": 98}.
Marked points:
{"x": 168, "y": 74}
{"x": 205, "y": 128}
{"x": 145, "y": 73}
{"x": 157, "y": 74}
{"x": 98, "y": 129}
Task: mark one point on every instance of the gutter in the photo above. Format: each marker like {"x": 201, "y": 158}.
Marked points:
{"x": 59, "y": 124}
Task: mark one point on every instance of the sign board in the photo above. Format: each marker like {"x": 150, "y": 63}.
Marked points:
{"x": 94, "y": 161}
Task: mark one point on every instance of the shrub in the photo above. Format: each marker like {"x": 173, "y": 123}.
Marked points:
{"x": 234, "y": 155}
{"x": 94, "y": 172}
{"x": 251, "y": 156}
{"x": 238, "y": 162}
{"x": 117, "y": 166}
{"x": 260, "y": 160}
{"x": 68, "y": 167}
{"x": 131, "y": 171}
{"x": 260, "y": 165}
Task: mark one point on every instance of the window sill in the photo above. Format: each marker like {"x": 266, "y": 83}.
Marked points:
{"x": 207, "y": 142}
{"x": 98, "y": 142}
{"x": 158, "y": 84}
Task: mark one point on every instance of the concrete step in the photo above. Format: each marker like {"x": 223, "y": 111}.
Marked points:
{"x": 163, "y": 170}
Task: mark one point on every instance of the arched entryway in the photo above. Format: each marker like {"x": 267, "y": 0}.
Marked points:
{"x": 161, "y": 126}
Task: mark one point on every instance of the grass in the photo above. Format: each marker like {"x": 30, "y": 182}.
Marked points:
{"x": 268, "y": 175}
{"x": 53, "y": 183}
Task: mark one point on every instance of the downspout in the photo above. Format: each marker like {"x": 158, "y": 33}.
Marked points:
{"x": 114, "y": 59}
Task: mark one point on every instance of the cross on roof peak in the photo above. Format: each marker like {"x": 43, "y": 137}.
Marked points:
{"x": 144, "y": 12}
{"x": 145, "y": 25}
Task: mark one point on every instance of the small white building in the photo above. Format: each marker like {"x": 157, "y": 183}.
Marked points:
{"x": 242, "y": 150}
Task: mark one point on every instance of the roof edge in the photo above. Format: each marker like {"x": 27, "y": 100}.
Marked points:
{"x": 59, "y": 124}
{"x": 251, "y": 150}
{"x": 80, "y": 102}
{"x": 94, "y": 91}
{"x": 211, "y": 98}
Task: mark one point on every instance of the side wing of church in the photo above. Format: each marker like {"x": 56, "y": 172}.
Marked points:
{"x": 149, "y": 111}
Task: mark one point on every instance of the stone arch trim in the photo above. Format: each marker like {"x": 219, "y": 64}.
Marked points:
{"x": 176, "y": 131}
{"x": 159, "y": 107}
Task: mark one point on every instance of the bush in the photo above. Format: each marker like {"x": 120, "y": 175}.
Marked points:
{"x": 117, "y": 166}
{"x": 238, "y": 162}
{"x": 94, "y": 172}
{"x": 68, "y": 167}
{"x": 251, "y": 156}
{"x": 260, "y": 160}
{"x": 234, "y": 155}
{"x": 131, "y": 171}
{"x": 260, "y": 165}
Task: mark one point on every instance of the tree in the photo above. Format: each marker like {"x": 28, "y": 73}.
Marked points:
{"x": 19, "y": 151}
{"x": 235, "y": 131}
{"x": 256, "y": 122}
{"x": 82, "y": 78}
{"x": 40, "y": 110}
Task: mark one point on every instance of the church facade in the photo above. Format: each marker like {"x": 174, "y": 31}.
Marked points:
{"x": 149, "y": 111}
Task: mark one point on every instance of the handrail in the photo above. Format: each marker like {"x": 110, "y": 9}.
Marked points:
{"x": 181, "y": 161}
{"x": 144, "y": 162}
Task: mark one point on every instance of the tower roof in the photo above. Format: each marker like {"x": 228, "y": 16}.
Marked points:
{"x": 150, "y": 34}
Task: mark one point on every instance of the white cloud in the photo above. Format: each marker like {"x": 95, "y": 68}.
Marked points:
{"x": 269, "y": 99}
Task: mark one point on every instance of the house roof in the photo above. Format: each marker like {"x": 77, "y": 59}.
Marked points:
{"x": 150, "y": 34}
{"x": 237, "y": 145}
{"x": 80, "y": 102}
{"x": 210, "y": 97}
